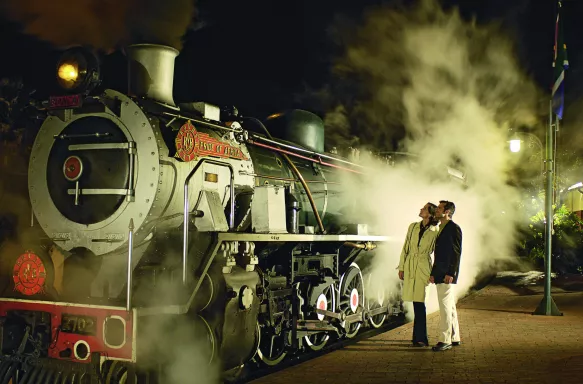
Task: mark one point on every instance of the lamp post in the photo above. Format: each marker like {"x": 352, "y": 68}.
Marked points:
{"x": 516, "y": 143}
{"x": 547, "y": 306}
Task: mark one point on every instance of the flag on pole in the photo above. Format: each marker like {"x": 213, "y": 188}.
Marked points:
{"x": 560, "y": 64}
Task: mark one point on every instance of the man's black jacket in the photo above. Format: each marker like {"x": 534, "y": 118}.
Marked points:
{"x": 448, "y": 252}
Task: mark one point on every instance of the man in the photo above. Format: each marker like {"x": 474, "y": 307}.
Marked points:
{"x": 444, "y": 274}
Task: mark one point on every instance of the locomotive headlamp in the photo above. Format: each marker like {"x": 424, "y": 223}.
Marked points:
{"x": 68, "y": 73}
{"x": 78, "y": 70}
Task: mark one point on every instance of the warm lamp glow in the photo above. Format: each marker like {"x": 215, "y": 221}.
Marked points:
{"x": 515, "y": 145}
{"x": 68, "y": 72}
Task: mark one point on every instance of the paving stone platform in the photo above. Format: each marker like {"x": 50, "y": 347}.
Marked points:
{"x": 502, "y": 342}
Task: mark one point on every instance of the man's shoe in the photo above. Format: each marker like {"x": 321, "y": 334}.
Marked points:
{"x": 439, "y": 347}
{"x": 419, "y": 344}
{"x": 456, "y": 343}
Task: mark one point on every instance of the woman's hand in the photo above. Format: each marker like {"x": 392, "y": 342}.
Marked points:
{"x": 401, "y": 275}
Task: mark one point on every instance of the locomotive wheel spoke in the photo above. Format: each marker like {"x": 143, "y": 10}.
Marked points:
{"x": 272, "y": 349}
{"x": 317, "y": 341}
{"x": 351, "y": 296}
{"x": 210, "y": 341}
{"x": 376, "y": 299}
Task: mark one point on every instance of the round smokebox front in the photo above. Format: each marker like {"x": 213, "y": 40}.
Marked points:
{"x": 88, "y": 170}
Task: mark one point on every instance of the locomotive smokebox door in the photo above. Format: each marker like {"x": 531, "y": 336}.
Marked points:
{"x": 268, "y": 209}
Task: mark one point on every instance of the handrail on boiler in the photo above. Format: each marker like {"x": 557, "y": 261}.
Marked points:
{"x": 186, "y": 213}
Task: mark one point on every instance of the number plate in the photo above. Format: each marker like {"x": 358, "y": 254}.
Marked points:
{"x": 67, "y": 101}
{"x": 81, "y": 325}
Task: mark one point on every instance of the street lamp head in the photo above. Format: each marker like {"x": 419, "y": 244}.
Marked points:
{"x": 515, "y": 145}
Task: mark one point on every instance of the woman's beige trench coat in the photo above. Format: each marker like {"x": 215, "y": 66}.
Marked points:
{"x": 415, "y": 261}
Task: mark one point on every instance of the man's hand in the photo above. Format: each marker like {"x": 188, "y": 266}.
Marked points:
{"x": 448, "y": 279}
{"x": 401, "y": 275}
{"x": 432, "y": 279}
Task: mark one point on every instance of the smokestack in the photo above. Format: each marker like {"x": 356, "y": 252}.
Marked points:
{"x": 151, "y": 71}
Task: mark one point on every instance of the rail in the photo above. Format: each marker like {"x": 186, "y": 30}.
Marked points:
{"x": 186, "y": 208}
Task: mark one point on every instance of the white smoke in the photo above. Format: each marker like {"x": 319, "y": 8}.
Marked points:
{"x": 104, "y": 24}
{"x": 456, "y": 88}
{"x": 181, "y": 349}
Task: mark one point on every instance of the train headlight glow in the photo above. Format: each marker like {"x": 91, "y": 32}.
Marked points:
{"x": 68, "y": 72}
{"x": 78, "y": 70}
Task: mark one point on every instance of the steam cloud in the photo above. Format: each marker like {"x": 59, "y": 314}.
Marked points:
{"x": 455, "y": 88}
{"x": 180, "y": 348}
{"x": 103, "y": 24}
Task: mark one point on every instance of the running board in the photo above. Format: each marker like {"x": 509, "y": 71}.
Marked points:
{"x": 267, "y": 237}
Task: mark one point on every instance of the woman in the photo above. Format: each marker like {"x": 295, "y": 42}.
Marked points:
{"x": 415, "y": 268}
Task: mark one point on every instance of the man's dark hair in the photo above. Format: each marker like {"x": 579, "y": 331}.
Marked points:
{"x": 448, "y": 206}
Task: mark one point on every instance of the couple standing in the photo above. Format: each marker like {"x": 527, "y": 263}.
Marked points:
{"x": 416, "y": 271}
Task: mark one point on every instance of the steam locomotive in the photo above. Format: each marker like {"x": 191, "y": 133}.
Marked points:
{"x": 151, "y": 219}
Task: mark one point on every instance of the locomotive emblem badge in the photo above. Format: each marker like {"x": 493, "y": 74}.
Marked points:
{"x": 191, "y": 144}
{"x": 29, "y": 274}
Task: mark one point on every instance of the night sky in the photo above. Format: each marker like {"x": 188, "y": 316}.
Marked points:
{"x": 258, "y": 55}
